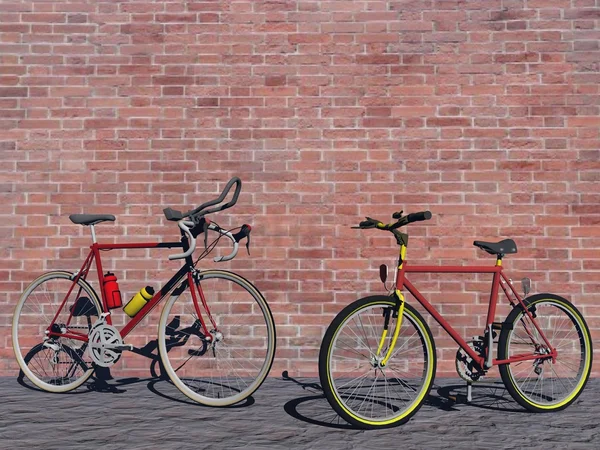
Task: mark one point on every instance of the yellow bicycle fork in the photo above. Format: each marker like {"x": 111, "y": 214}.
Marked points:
{"x": 400, "y": 300}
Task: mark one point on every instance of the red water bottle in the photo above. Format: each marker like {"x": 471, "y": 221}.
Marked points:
{"x": 111, "y": 291}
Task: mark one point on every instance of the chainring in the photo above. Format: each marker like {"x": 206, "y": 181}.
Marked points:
{"x": 465, "y": 366}
{"x": 100, "y": 340}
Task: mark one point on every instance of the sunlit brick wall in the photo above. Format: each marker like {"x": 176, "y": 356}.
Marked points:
{"x": 484, "y": 112}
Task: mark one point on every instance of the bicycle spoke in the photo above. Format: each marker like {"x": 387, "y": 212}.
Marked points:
{"x": 65, "y": 368}
{"x": 558, "y": 379}
{"x": 362, "y": 383}
{"x": 229, "y": 363}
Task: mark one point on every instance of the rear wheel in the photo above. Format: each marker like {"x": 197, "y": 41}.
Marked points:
{"x": 57, "y": 364}
{"x": 231, "y": 363}
{"x": 359, "y": 384}
{"x": 544, "y": 385}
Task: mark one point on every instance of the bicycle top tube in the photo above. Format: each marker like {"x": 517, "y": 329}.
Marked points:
{"x": 191, "y": 223}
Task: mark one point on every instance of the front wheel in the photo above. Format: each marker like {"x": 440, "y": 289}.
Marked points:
{"x": 361, "y": 386}
{"x": 232, "y": 361}
{"x": 543, "y": 385}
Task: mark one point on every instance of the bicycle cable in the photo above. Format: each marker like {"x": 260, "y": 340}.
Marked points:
{"x": 214, "y": 243}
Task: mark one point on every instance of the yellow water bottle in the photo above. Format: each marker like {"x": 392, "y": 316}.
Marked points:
{"x": 138, "y": 301}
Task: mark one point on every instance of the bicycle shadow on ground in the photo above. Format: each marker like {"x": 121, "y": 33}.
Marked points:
{"x": 158, "y": 383}
{"x": 161, "y": 386}
{"x": 490, "y": 395}
{"x": 98, "y": 382}
{"x": 315, "y": 408}
{"x": 161, "y": 383}
{"x": 102, "y": 383}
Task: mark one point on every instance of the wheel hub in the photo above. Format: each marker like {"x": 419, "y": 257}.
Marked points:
{"x": 215, "y": 336}
{"x": 377, "y": 362}
{"x": 538, "y": 364}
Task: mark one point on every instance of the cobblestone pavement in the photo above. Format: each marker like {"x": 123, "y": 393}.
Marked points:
{"x": 283, "y": 414}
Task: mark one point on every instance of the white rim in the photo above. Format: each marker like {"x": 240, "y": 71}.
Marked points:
{"x": 210, "y": 401}
{"x": 17, "y": 349}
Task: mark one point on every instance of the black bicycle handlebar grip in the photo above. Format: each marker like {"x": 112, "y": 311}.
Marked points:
{"x": 417, "y": 217}
{"x": 172, "y": 214}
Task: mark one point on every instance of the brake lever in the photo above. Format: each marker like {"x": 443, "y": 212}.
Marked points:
{"x": 205, "y": 231}
{"x": 244, "y": 233}
{"x": 369, "y": 223}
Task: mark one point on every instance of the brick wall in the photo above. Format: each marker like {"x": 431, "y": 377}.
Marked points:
{"x": 484, "y": 112}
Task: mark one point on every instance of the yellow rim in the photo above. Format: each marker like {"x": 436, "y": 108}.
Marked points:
{"x": 428, "y": 376}
{"x": 586, "y": 369}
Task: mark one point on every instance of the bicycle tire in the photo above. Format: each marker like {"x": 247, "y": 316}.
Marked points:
{"x": 262, "y": 340}
{"x": 522, "y": 390}
{"x": 342, "y": 401}
{"x": 24, "y": 355}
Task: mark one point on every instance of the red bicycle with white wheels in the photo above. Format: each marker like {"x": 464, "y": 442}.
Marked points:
{"x": 216, "y": 334}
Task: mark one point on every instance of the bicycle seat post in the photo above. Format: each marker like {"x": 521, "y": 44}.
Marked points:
{"x": 93, "y": 233}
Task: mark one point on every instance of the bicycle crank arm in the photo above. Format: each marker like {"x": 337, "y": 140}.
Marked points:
{"x": 118, "y": 347}
{"x": 489, "y": 359}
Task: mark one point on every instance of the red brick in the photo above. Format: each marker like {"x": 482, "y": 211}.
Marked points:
{"x": 13, "y": 92}
{"x": 104, "y": 123}
{"x": 592, "y": 121}
{"x": 449, "y": 122}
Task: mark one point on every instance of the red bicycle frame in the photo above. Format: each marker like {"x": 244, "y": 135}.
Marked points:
{"x": 499, "y": 279}
{"x": 94, "y": 254}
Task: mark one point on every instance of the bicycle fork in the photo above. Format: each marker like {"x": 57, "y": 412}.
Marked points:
{"x": 399, "y": 312}
{"x": 215, "y": 335}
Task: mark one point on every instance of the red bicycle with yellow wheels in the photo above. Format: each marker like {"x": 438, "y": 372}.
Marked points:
{"x": 377, "y": 360}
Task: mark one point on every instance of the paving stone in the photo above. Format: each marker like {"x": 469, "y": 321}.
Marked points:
{"x": 151, "y": 414}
